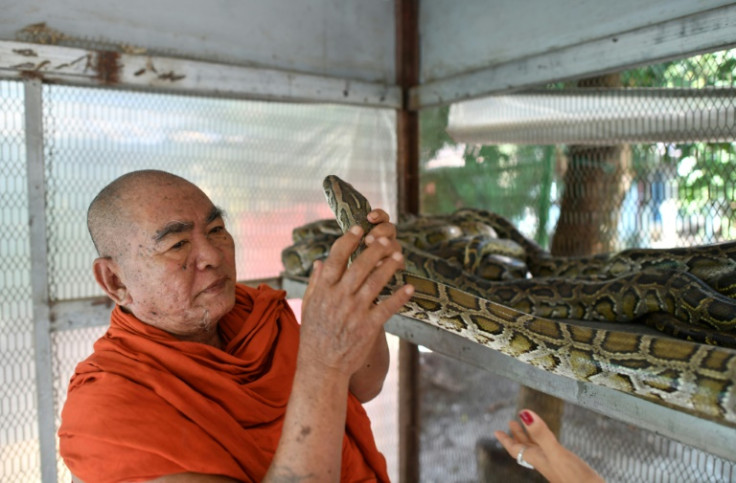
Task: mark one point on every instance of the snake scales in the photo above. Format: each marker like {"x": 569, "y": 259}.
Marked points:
{"x": 682, "y": 292}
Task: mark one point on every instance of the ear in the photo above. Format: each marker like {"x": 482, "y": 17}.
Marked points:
{"x": 107, "y": 274}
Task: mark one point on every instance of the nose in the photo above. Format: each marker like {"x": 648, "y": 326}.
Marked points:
{"x": 208, "y": 254}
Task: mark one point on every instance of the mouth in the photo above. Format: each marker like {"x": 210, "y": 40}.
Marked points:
{"x": 216, "y": 286}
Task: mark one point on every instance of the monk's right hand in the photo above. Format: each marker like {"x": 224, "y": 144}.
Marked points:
{"x": 340, "y": 320}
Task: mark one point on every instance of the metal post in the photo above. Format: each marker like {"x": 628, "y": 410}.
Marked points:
{"x": 39, "y": 277}
{"x": 407, "y": 76}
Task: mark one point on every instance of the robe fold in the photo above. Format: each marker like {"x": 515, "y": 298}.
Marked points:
{"x": 146, "y": 404}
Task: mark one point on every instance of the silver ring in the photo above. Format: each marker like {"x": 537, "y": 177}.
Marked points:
{"x": 520, "y": 459}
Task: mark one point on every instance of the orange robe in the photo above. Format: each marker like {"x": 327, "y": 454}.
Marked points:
{"x": 146, "y": 404}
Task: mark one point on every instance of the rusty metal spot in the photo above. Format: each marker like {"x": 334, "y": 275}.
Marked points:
{"x": 107, "y": 67}
{"x": 171, "y": 76}
{"x": 31, "y": 74}
{"x": 29, "y": 70}
{"x": 25, "y": 52}
{"x": 40, "y": 33}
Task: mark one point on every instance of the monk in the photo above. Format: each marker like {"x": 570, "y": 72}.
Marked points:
{"x": 200, "y": 378}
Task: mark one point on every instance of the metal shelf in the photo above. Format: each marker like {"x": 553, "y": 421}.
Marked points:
{"x": 710, "y": 436}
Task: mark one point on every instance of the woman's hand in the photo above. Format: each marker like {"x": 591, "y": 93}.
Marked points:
{"x": 542, "y": 450}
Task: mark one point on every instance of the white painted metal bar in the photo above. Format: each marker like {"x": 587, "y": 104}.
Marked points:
{"x": 80, "y": 313}
{"x": 702, "y": 32}
{"x": 596, "y": 117}
{"x": 711, "y": 436}
{"x": 88, "y": 67}
{"x": 39, "y": 277}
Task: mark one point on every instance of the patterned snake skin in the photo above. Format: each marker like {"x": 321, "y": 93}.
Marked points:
{"x": 681, "y": 292}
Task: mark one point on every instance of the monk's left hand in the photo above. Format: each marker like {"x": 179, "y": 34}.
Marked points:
{"x": 340, "y": 321}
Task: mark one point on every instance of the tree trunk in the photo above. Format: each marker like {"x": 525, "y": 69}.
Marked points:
{"x": 595, "y": 182}
{"x": 596, "y": 179}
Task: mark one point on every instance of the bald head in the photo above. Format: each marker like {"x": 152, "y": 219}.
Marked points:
{"x": 112, "y": 213}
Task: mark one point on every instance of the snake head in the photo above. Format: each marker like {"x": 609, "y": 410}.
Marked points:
{"x": 349, "y": 206}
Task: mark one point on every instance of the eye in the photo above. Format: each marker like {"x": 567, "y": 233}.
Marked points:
{"x": 178, "y": 245}
{"x": 217, "y": 229}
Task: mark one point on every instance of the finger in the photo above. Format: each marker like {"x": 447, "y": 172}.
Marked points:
{"x": 374, "y": 267}
{"x": 313, "y": 277}
{"x": 517, "y": 432}
{"x": 336, "y": 262}
{"x": 538, "y": 431}
{"x": 532, "y": 453}
{"x": 378, "y": 275}
{"x": 387, "y": 230}
{"x": 505, "y": 441}
{"x": 389, "y": 306}
{"x": 377, "y": 216}
{"x": 512, "y": 446}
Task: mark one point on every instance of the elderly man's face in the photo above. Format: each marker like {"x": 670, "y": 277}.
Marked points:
{"x": 179, "y": 264}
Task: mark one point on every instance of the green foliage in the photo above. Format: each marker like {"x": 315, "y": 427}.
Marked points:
{"x": 504, "y": 179}
{"x": 716, "y": 69}
{"x": 517, "y": 181}
{"x": 706, "y": 172}
{"x": 433, "y": 132}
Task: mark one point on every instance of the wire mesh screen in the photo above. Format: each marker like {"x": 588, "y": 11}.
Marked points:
{"x": 642, "y": 158}
{"x": 18, "y": 428}
{"x": 262, "y": 162}
{"x": 70, "y": 347}
{"x": 462, "y": 405}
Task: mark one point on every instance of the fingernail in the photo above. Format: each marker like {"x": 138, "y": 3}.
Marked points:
{"x": 369, "y": 239}
{"x": 526, "y": 417}
{"x": 383, "y": 241}
{"x": 397, "y": 256}
{"x": 409, "y": 289}
{"x": 356, "y": 230}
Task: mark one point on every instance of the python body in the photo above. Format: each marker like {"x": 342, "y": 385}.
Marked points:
{"x": 694, "y": 377}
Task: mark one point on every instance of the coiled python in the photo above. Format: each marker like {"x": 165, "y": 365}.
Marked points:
{"x": 516, "y": 317}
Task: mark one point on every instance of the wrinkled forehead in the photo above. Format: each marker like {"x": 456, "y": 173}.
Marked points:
{"x": 155, "y": 205}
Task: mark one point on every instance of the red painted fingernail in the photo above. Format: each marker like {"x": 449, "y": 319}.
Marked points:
{"x": 526, "y": 417}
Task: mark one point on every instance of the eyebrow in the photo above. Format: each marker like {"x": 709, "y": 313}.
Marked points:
{"x": 215, "y": 213}
{"x": 182, "y": 226}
